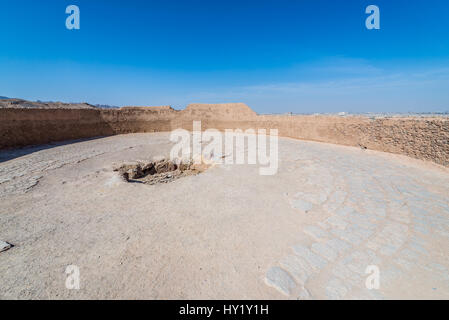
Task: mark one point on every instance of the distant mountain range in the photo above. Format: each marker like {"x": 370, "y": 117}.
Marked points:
{"x": 20, "y": 103}
{"x": 105, "y": 106}
{"x": 24, "y": 104}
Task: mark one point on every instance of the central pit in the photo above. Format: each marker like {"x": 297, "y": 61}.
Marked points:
{"x": 161, "y": 171}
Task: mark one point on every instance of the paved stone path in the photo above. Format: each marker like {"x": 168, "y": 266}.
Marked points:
{"x": 376, "y": 213}
{"x": 309, "y": 232}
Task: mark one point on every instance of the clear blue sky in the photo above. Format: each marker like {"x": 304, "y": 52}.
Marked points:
{"x": 276, "y": 56}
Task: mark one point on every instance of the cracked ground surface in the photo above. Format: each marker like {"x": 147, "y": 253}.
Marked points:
{"x": 308, "y": 232}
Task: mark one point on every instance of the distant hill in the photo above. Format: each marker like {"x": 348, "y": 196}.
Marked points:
{"x": 6, "y": 102}
{"x": 24, "y": 104}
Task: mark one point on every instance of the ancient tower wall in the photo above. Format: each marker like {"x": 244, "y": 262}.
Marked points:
{"x": 421, "y": 138}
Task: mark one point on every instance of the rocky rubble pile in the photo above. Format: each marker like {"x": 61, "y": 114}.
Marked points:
{"x": 162, "y": 171}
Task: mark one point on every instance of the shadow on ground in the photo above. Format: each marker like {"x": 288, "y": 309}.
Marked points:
{"x": 9, "y": 154}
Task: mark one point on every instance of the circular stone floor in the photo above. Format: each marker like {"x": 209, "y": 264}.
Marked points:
{"x": 310, "y": 231}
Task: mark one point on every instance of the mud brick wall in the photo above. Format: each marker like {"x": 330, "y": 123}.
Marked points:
{"x": 420, "y": 138}
{"x": 21, "y": 127}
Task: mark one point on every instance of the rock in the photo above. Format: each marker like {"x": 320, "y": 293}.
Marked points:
{"x": 148, "y": 168}
{"x": 4, "y": 246}
{"x": 135, "y": 173}
{"x": 281, "y": 280}
{"x": 297, "y": 267}
{"x": 314, "y": 260}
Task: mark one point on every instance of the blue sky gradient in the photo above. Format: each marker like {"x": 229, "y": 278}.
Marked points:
{"x": 303, "y": 56}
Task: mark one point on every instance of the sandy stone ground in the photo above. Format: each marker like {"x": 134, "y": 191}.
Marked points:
{"x": 308, "y": 232}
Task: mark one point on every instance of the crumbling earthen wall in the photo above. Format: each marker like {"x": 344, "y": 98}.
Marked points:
{"x": 421, "y": 138}
{"x": 21, "y": 127}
